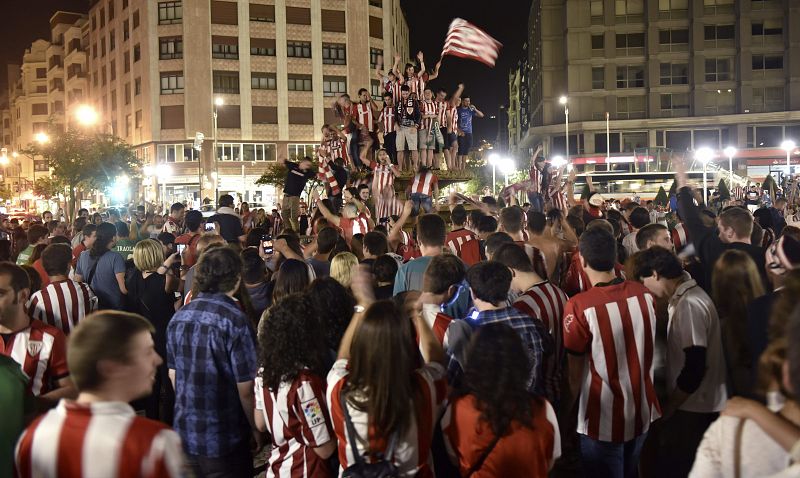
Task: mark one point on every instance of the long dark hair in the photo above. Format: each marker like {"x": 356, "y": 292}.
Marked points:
{"x": 496, "y": 374}
{"x": 291, "y": 277}
{"x": 37, "y": 253}
{"x": 333, "y": 305}
{"x": 105, "y": 236}
{"x": 289, "y": 341}
{"x": 382, "y": 359}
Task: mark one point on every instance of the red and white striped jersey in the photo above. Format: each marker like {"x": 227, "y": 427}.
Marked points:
{"x": 614, "y": 326}
{"x": 680, "y": 236}
{"x": 98, "y": 439}
{"x": 452, "y": 115}
{"x": 537, "y": 258}
{"x": 452, "y": 334}
{"x": 41, "y": 352}
{"x": 416, "y": 85}
{"x": 365, "y": 115}
{"x": 298, "y": 421}
{"x": 62, "y": 304}
{"x": 423, "y": 183}
{"x": 334, "y": 148}
{"x": 544, "y": 301}
{"x": 412, "y": 451}
{"x": 382, "y": 177}
{"x": 441, "y": 113}
{"x": 576, "y": 280}
{"x": 386, "y": 119}
{"x": 353, "y": 225}
{"x": 464, "y": 244}
{"x": 395, "y": 89}
{"x": 427, "y": 108}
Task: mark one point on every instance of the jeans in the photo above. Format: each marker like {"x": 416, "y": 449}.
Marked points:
{"x": 602, "y": 459}
{"x": 290, "y": 210}
{"x": 421, "y": 200}
{"x": 390, "y": 145}
{"x": 537, "y": 202}
{"x": 237, "y": 464}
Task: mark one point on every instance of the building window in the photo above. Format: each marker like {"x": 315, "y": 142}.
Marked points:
{"x": 298, "y": 49}
{"x": 94, "y": 23}
{"x": 375, "y": 55}
{"x": 262, "y": 47}
{"x": 112, "y": 70}
{"x": 675, "y": 104}
{"x": 138, "y": 119}
{"x": 629, "y": 11}
{"x": 598, "y": 78}
{"x": 136, "y": 19}
{"x": 103, "y": 75}
{"x": 137, "y": 87}
{"x": 170, "y": 48}
{"x": 226, "y": 48}
{"x": 765, "y": 4}
{"x": 113, "y": 101}
{"x": 102, "y": 17}
{"x": 226, "y": 82}
{"x": 768, "y": 32}
{"x": 630, "y": 76}
{"x": 126, "y": 30}
{"x": 334, "y": 54}
{"x": 171, "y": 83}
{"x": 334, "y": 85}
{"x": 126, "y": 61}
{"x": 259, "y": 152}
{"x": 630, "y": 44}
{"x": 719, "y": 36}
{"x": 765, "y": 66}
{"x": 110, "y": 11}
{"x": 718, "y": 69}
{"x": 298, "y": 151}
{"x": 674, "y": 74}
{"x": 124, "y": 4}
{"x": 631, "y": 107}
{"x": 596, "y": 12}
{"x": 673, "y": 9}
{"x": 376, "y": 3}
{"x": 137, "y": 52}
{"x": 673, "y": 40}
{"x": 375, "y": 90}
{"x": 717, "y": 7}
{"x": 299, "y": 82}
{"x": 170, "y": 153}
{"x": 103, "y": 47}
{"x": 767, "y": 99}
{"x": 263, "y": 81}
{"x": 170, "y": 12}
{"x": 598, "y": 45}
{"x": 127, "y": 93}
{"x": 333, "y": 21}
{"x": 262, "y": 13}
{"x": 723, "y": 102}
{"x": 112, "y": 40}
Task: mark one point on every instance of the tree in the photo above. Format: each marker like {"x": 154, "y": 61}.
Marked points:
{"x": 661, "y": 198}
{"x": 79, "y": 161}
{"x": 47, "y": 188}
{"x": 724, "y": 192}
{"x": 673, "y": 190}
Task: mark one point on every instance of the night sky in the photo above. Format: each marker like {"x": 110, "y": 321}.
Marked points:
{"x": 26, "y": 21}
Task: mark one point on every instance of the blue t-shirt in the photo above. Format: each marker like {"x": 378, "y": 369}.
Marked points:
{"x": 409, "y": 277}
{"x": 465, "y": 118}
{"x": 104, "y": 282}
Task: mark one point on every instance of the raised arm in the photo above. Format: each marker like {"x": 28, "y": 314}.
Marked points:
{"x": 421, "y": 59}
{"x": 435, "y": 73}
{"x": 478, "y": 112}
{"x": 331, "y": 217}
{"x": 394, "y": 234}
{"x": 457, "y": 94}
{"x": 396, "y": 64}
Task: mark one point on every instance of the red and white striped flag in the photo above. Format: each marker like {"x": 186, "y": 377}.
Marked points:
{"x": 465, "y": 40}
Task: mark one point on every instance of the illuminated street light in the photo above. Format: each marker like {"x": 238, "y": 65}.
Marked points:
{"x": 730, "y": 152}
{"x": 86, "y": 115}
{"x": 558, "y": 161}
{"x": 494, "y": 159}
{"x": 506, "y": 167}
{"x": 704, "y": 155}
{"x": 788, "y": 145}
{"x": 563, "y": 100}
{"x": 219, "y": 101}
{"x": 41, "y": 137}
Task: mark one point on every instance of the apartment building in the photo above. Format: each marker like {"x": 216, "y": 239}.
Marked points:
{"x": 159, "y": 67}
{"x": 678, "y": 74}
{"x": 42, "y": 90}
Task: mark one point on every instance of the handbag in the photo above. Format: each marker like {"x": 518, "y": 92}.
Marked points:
{"x": 382, "y": 468}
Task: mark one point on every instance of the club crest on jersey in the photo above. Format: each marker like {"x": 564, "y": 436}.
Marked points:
{"x": 568, "y": 322}
{"x": 313, "y": 413}
{"x": 34, "y": 347}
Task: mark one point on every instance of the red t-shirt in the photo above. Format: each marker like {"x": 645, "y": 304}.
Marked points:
{"x": 464, "y": 244}
{"x": 41, "y": 352}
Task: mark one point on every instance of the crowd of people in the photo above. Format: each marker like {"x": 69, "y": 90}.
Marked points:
{"x": 559, "y": 337}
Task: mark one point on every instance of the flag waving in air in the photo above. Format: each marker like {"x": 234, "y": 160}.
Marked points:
{"x": 465, "y": 40}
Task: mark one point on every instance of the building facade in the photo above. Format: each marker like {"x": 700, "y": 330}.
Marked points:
{"x": 158, "y": 67}
{"x": 676, "y": 74}
{"x": 42, "y": 90}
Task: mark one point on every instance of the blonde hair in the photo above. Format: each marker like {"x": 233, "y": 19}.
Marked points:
{"x": 148, "y": 255}
{"x": 342, "y": 267}
{"x": 206, "y": 240}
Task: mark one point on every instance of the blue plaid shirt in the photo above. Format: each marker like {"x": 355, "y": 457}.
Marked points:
{"x": 535, "y": 338}
{"x": 211, "y": 347}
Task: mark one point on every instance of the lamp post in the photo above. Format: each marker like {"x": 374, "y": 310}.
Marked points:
{"x": 563, "y": 101}
{"x": 506, "y": 167}
{"x": 494, "y": 159}
{"x": 163, "y": 172}
{"x": 704, "y": 155}
{"x": 730, "y": 152}
{"x": 218, "y": 102}
{"x": 88, "y": 116}
{"x": 788, "y": 145}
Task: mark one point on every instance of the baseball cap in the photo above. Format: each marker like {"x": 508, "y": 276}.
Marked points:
{"x": 596, "y": 199}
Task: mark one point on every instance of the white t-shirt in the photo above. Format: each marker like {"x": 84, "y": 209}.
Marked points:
{"x": 629, "y": 243}
{"x": 693, "y": 321}
{"x": 760, "y": 455}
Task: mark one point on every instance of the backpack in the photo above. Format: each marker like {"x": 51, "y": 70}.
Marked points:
{"x": 383, "y": 468}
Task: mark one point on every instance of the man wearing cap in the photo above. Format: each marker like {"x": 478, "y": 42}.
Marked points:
{"x": 592, "y": 207}
{"x": 781, "y": 257}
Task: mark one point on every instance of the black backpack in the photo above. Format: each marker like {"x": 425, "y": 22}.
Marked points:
{"x": 383, "y": 468}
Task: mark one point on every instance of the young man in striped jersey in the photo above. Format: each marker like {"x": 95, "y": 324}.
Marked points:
{"x": 64, "y": 302}
{"x": 38, "y": 348}
{"x": 386, "y": 125}
{"x": 113, "y": 362}
{"x": 609, "y": 334}
{"x": 461, "y": 241}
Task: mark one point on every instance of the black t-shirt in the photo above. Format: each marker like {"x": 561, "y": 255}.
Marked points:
{"x": 340, "y": 174}
{"x": 146, "y": 297}
{"x": 303, "y": 221}
{"x": 295, "y": 179}
{"x": 230, "y": 226}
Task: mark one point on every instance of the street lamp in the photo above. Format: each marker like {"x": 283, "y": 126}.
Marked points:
{"x": 788, "y": 145}
{"x": 86, "y": 115}
{"x": 704, "y": 155}
{"x": 506, "y": 167}
{"x": 163, "y": 172}
{"x": 563, "y": 101}
{"x": 218, "y": 102}
{"x": 494, "y": 160}
{"x": 558, "y": 161}
{"x": 41, "y": 137}
{"x": 730, "y": 152}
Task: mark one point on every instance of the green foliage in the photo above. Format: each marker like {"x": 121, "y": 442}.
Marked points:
{"x": 724, "y": 192}
{"x": 661, "y": 198}
{"x": 673, "y": 190}
{"x": 85, "y": 162}
{"x": 47, "y": 188}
